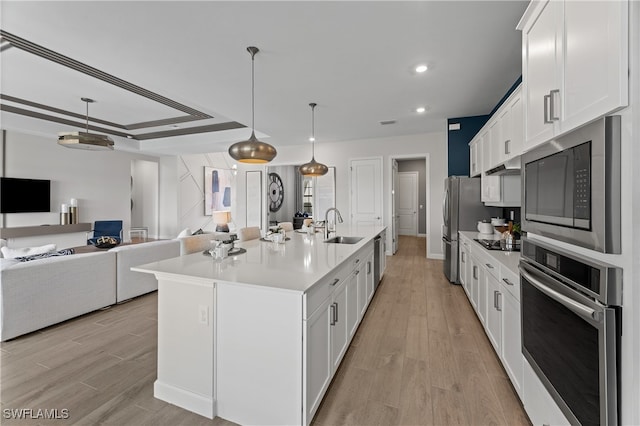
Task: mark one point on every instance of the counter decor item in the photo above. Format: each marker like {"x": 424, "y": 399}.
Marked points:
{"x": 73, "y": 211}
{"x": 64, "y": 215}
{"x": 485, "y": 227}
{"x": 106, "y": 242}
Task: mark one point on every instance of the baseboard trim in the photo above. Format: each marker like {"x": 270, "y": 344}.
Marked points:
{"x": 435, "y": 256}
{"x": 193, "y": 402}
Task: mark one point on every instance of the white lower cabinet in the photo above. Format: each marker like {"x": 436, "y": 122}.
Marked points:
{"x": 339, "y": 324}
{"x": 493, "y": 325}
{"x": 318, "y": 356}
{"x": 494, "y": 292}
{"x": 512, "y": 357}
{"x": 332, "y": 324}
{"x": 353, "y": 311}
{"x": 462, "y": 267}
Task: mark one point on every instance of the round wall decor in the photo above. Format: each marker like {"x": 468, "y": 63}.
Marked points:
{"x": 276, "y": 192}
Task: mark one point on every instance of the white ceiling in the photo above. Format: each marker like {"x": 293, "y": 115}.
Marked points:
{"x": 354, "y": 59}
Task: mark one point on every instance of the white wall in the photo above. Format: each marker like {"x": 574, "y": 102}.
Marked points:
{"x": 430, "y": 145}
{"x": 99, "y": 180}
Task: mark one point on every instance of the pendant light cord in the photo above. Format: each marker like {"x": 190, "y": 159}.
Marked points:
{"x": 87, "y": 102}
{"x": 253, "y": 93}
{"x": 313, "y": 131}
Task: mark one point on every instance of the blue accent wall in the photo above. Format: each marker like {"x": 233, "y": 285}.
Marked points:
{"x": 458, "y": 140}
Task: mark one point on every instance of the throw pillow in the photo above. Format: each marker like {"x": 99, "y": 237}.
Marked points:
{"x": 64, "y": 252}
{"x": 184, "y": 233}
{"x": 10, "y": 253}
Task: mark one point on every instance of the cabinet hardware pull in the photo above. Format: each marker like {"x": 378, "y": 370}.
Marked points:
{"x": 499, "y": 307}
{"x": 490, "y": 266}
{"x": 357, "y": 272}
{"x": 357, "y": 261}
{"x": 552, "y": 115}
{"x": 547, "y": 99}
{"x": 335, "y": 281}
{"x": 507, "y": 281}
{"x": 495, "y": 299}
{"x": 368, "y": 267}
{"x": 462, "y": 257}
{"x": 336, "y": 313}
{"x": 333, "y": 314}
{"x": 506, "y": 146}
{"x": 475, "y": 272}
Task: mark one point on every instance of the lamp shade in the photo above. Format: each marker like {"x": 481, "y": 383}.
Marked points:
{"x": 313, "y": 168}
{"x": 221, "y": 218}
{"x": 252, "y": 150}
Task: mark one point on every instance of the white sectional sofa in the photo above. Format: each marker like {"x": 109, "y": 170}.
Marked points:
{"x": 130, "y": 284}
{"x": 42, "y": 292}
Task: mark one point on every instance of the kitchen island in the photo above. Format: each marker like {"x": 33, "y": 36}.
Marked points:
{"x": 255, "y": 338}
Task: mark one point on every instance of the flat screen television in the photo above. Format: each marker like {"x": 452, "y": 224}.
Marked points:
{"x": 24, "y": 195}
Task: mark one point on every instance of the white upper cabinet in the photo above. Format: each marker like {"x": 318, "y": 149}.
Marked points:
{"x": 575, "y": 64}
{"x": 511, "y": 118}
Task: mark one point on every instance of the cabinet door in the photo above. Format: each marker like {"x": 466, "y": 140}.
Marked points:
{"x": 319, "y": 366}
{"x": 512, "y": 357}
{"x": 383, "y": 255}
{"x": 593, "y": 88}
{"x": 491, "y": 189}
{"x": 495, "y": 136}
{"x": 370, "y": 284}
{"x": 474, "y": 281}
{"x": 481, "y": 308}
{"x": 339, "y": 325}
{"x": 353, "y": 313}
{"x": 364, "y": 282}
{"x": 513, "y": 143}
{"x": 485, "y": 145}
{"x": 493, "y": 325}
{"x": 503, "y": 142}
{"x": 462, "y": 265}
{"x": 541, "y": 49}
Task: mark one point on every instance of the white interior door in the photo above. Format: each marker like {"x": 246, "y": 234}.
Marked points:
{"x": 394, "y": 207}
{"x": 366, "y": 191}
{"x": 407, "y": 203}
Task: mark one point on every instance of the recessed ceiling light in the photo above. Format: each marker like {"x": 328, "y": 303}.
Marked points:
{"x": 129, "y": 137}
{"x": 421, "y": 109}
{"x": 312, "y": 139}
{"x": 421, "y": 68}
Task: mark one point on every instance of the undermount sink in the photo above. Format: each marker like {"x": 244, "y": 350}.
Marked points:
{"x": 343, "y": 240}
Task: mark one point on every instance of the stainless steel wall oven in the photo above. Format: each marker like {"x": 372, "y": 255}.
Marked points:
{"x": 571, "y": 328}
{"x": 571, "y": 187}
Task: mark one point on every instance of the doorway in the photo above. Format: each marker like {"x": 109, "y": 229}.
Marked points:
{"x": 419, "y": 164}
{"x": 407, "y": 206}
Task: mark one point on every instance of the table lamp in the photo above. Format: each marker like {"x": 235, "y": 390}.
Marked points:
{"x": 221, "y": 219}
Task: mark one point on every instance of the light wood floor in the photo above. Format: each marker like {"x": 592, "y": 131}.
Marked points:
{"x": 420, "y": 357}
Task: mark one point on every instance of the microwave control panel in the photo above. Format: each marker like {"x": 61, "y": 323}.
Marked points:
{"x": 582, "y": 182}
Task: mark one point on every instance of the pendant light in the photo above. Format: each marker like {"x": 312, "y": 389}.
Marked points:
{"x": 313, "y": 168}
{"x": 252, "y": 150}
{"x": 85, "y": 140}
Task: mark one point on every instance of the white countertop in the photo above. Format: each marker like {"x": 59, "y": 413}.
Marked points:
{"x": 509, "y": 259}
{"x": 294, "y": 265}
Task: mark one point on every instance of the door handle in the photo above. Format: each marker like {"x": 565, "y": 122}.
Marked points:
{"x": 570, "y": 304}
{"x": 552, "y": 115}
{"x": 333, "y": 314}
{"x": 546, "y": 100}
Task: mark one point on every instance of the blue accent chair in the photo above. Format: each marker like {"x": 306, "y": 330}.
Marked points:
{"x": 105, "y": 228}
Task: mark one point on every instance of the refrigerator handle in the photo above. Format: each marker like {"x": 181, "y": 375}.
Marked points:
{"x": 445, "y": 206}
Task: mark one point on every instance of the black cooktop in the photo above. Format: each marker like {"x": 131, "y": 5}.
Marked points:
{"x": 495, "y": 244}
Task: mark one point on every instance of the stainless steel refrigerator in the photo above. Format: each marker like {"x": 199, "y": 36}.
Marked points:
{"x": 461, "y": 211}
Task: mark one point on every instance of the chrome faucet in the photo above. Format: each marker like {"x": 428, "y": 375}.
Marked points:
{"x": 326, "y": 221}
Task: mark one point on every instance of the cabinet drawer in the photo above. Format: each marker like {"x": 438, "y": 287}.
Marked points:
{"x": 319, "y": 292}
{"x": 491, "y": 266}
{"x": 510, "y": 281}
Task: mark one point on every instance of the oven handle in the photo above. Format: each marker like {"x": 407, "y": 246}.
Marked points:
{"x": 576, "y": 307}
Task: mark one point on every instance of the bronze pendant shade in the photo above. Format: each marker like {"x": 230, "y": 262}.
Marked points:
{"x": 313, "y": 168}
{"x": 86, "y": 140}
{"x": 252, "y": 150}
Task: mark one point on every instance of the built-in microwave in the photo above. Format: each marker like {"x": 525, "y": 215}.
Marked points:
{"x": 571, "y": 187}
